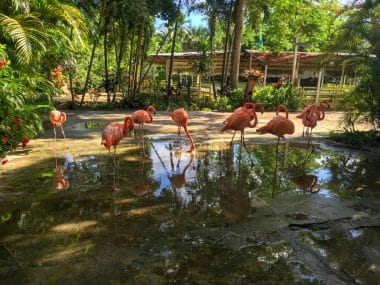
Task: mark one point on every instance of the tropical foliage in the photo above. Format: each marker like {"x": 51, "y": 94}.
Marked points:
{"x": 360, "y": 35}
{"x": 104, "y": 45}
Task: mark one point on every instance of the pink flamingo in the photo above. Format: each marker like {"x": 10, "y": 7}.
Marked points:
{"x": 142, "y": 117}
{"x": 112, "y": 134}
{"x": 278, "y": 126}
{"x": 310, "y": 115}
{"x": 240, "y": 120}
{"x": 181, "y": 118}
{"x": 57, "y": 118}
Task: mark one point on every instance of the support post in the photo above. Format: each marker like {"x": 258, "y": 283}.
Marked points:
{"x": 265, "y": 74}
{"x": 294, "y": 69}
{"x": 167, "y": 70}
{"x": 250, "y": 61}
{"x": 342, "y": 76}
{"x": 319, "y": 84}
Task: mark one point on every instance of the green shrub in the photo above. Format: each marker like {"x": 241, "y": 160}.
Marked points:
{"x": 22, "y": 102}
{"x": 357, "y": 139}
{"x": 287, "y": 95}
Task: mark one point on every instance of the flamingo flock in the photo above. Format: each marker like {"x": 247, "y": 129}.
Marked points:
{"x": 241, "y": 118}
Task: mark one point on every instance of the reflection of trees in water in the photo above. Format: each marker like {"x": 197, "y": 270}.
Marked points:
{"x": 348, "y": 172}
{"x": 360, "y": 260}
{"x": 135, "y": 173}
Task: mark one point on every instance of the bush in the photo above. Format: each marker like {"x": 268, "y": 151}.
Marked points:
{"x": 21, "y": 106}
{"x": 287, "y": 95}
{"x": 357, "y": 139}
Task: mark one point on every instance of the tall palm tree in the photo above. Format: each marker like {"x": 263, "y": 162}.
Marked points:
{"x": 236, "y": 46}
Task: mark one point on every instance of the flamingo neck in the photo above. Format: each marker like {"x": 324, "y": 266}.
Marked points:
{"x": 150, "y": 118}
{"x": 254, "y": 124}
{"x": 283, "y": 109}
{"x": 321, "y": 113}
{"x": 128, "y": 125}
{"x": 190, "y": 138}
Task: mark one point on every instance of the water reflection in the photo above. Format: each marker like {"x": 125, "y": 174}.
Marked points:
{"x": 59, "y": 180}
{"x": 173, "y": 209}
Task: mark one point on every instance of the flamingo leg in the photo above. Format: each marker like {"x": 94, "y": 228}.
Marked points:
{"x": 179, "y": 137}
{"x": 275, "y": 169}
{"x": 310, "y": 138}
{"x": 63, "y": 133}
{"x": 114, "y": 171}
{"x": 55, "y": 134}
{"x": 142, "y": 141}
{"x": 245, "y": 146}
{"x": 232, "y": 139}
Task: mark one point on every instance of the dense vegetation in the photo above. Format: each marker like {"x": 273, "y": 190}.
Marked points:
{"x": 104, "y": 45}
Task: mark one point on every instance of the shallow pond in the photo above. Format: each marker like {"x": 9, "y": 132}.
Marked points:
{"x": 221, "y": 216}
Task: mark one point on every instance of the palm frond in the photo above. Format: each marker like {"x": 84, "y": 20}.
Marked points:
{"x": 23, "y": 30}
{"x": 70, "y": 15}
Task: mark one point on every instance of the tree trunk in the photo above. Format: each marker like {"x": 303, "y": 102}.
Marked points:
{"x": 212, "y": 35}
{"x": 168, "y": 84}
{"x": 106, "y": 22}
{"x": 238, "y": 34}
{"x": 151, "y": 62}
{"x": 91, "y": 58}
{"x": 137, "y": 57}
{"x": 225, "y": 51}
{"x": 130, "y": 83}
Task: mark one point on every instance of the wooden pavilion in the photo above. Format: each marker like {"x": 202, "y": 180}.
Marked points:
{"x": 307, "y": 64}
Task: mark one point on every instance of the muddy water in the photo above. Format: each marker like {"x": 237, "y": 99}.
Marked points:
{"x": 221, "y": 216}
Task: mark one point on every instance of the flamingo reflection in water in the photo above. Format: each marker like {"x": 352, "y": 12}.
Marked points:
{"x": 177, "y": 180}
{"x": 60, "y": 181}
{"x": 142, "y": 186}
{"x": 307, "y": 183}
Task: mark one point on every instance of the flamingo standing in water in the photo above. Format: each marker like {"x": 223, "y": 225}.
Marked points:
{"x": 112, "y": 134}
{"x": 240, "y": 120}
{"x": 279, "y": 125}
{"x": 57, "y": 118}
{"x": 142, "y": 117}
{"x": 181, "y": 118}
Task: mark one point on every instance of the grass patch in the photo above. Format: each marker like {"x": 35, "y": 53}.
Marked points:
{"x": 357, "y": 139}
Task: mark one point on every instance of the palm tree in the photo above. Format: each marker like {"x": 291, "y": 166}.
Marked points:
{"x": 238, "y": 33}
{"x": 27, "y": 26}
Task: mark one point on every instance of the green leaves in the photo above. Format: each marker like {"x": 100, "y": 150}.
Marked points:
{"x": 24, "y": 30}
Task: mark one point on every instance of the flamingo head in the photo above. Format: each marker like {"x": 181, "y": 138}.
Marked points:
{"x": 151, "y": 109}
{"x": 260, "y": 107}
{"x": 324, "y": 103}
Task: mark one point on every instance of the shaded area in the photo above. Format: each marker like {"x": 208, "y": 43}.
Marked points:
{"x": 208, "y": 218}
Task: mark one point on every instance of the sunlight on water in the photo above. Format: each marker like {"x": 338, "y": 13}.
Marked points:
{"x": 176, "y": 213}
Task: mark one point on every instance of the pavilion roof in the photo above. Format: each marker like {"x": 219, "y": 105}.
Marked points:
{"x": 277, "y": 62}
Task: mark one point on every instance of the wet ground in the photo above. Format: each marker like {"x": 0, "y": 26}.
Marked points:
{"x": 224, "y": 215}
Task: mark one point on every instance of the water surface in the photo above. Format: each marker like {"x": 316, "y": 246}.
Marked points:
{"x": 221, "y": 216}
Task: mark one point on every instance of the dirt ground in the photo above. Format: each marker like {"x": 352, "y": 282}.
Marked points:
{"x": 203, "y": 126}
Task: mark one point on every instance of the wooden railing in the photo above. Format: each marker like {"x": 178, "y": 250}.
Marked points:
{"x": 326, "y": 92}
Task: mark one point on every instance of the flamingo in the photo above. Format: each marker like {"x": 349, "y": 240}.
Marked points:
{"x": 142, "y": 117}
{"x": 240, "y": 120}
{"x": 57, "y": 118}
{"x": 310, "y": 115}
{"x": 248, "y": 106}
{"x": 112, "y": 134}
{"x": 181, "y": 118}
{"x": 279, "y": 125}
